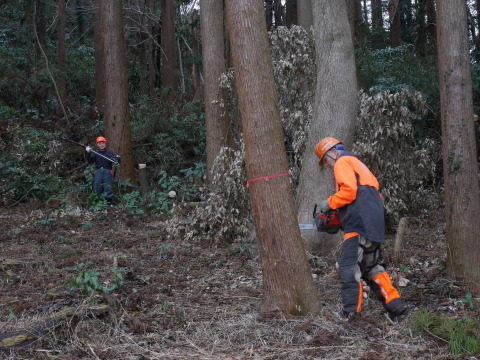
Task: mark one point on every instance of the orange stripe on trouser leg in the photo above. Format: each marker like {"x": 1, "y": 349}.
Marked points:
{"x": 360, "y": 297}
{"x": 386, "y": 287}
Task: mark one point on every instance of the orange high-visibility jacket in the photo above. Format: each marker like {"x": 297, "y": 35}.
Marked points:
{"x": 357, "y": 199}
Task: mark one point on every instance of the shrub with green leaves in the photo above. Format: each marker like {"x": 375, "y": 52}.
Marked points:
{"x": 89, "y": 281}
{"x": 29, "y": 168}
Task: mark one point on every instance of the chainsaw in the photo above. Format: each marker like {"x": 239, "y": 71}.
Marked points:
{"x": 328, "y": 222}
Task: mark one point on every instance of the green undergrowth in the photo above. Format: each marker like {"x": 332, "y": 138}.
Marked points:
{"x": 462, "y": 334}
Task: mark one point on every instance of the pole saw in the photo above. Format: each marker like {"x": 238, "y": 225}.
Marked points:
{"x": 93, "y": 151}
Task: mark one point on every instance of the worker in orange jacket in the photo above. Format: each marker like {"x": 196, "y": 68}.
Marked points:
{"x": 359, "y": 204}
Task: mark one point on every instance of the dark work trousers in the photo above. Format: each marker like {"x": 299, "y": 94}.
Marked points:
{"x": 351, "y": 274}
{"x": 102, "y": 183}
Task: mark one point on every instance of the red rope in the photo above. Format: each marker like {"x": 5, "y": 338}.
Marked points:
{"x": 265, "y": 178}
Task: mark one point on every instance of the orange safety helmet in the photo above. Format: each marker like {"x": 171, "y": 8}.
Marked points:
{"x": 100, "y": 139}
{"x": 323, "y": 146}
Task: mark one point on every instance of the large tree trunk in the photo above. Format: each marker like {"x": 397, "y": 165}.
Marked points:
{"x": 170, "y": 69}
{"x": 287, "y": 280}
{"x": 334, "y": 110}
{"x": 213, "y": 50}
{"x": 117, "y": 112}
{"x": 394, "y": 19}
{"x": 62, "y": 80}
{"x": 462, "y": 199}
{"x": 304, "y": 14}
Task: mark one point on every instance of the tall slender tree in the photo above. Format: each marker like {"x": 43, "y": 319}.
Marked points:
{"x": 460, "y": 167}
{"x": 214, "y": 64}
{"x": 287, "y": 280}
{"x": 170, "y": 69}
{"x": 394, "y": 20}
{"x": 117, "y": 111}
{"x": 334, "y": 110}
{"x": 98, "y": 54}
{"x": 304, "y": 14}
{"x": 62, "y": 79}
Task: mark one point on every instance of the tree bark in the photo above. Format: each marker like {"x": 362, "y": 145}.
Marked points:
{"x": 170, "y": 70}
{"x": 460, "y": 167}
{"x": 334, "y": 111}
{"x": 288, "y": 285}
{"x": 98, "y": 54}
{"x": 152, "y": 73}
{"x": 117, "y": 112}
{"x": 421, "y": 40}
{"x": 214, "y": 64}
{"x": 290, "y": 12}
{"x": 304, "y": 14}
{"x": 377, "y": 14}
{"x": 394, "y": 19}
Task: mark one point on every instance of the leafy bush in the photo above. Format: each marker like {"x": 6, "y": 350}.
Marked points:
{"x": 29, "y": 168}
{"x": 395, "y": 69}
{"x": 404, "y": 165}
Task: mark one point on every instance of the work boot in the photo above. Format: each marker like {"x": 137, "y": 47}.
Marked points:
{"x": 396, "y": 308}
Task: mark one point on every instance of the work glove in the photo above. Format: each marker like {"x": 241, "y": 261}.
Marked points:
{"x": 88, "y": 148}
{"x": 324, "y": 207}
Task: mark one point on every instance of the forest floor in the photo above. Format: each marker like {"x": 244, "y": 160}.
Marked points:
{"x": 192, "y": 300}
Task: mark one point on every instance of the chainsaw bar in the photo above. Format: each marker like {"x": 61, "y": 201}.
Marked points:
{"x": 310, "y": 226}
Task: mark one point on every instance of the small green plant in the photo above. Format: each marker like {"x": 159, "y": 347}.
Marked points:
{"x": 88, "y": 281}
{"x": 97, "y": 202}
{"x": 459, "y": 333}
{"x": 166, "y": 306}
{"x": 163, "y": 249}
{"x": 132, "y": 202}
{"x": 404, "y": 268}
{"x": 470, "y": 301}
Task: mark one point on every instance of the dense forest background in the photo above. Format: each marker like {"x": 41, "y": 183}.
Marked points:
{"x": 50, "y": 89}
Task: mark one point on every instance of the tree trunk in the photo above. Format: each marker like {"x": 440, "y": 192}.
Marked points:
{"x": 290, "y": 12}
{"x": 98, "y": 54}
{"x": 196, "y": 77}
{"x": 432, "y": 21}
{"x": 40, "y": 26}
{"x": 394, "y": 19}
{"x": 377, "y": 15}
{"x": 288, "y": 285}
{"x": 117, "y": 112}
{"x": 151, "y": 52}
{"x": 421, "y": 40}
{"x": 304, "y": 14}
{"x": 170, "y": 70}
{"x": 213, "y": 51}
{"x": 62, "y": 80}
{"x": 269, "y": 13}
{"x": 334, "y": 110}
{"x": 357, "y": 23}
{"x": 460, "y": 167}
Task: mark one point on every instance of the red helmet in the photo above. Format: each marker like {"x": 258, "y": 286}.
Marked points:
{"x": 323, "y": 146}
{"x": 100, "y": 139}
